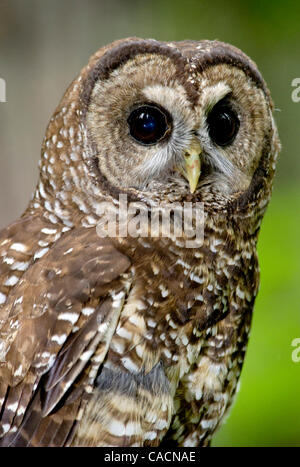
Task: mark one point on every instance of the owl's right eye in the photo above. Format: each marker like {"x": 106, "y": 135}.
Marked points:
{"x": 148, "y": 124}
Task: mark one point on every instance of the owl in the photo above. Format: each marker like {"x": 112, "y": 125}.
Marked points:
{"x": 137, "y": 340}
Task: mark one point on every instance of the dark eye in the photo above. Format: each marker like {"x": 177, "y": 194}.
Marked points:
{"x": 148, "y": 124}
{"x": 223, "y": 124}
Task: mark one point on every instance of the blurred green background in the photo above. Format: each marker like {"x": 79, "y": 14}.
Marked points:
{"x": 44, "y": 44}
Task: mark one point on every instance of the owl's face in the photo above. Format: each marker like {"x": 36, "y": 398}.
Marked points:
{"x": 160, "y": 120}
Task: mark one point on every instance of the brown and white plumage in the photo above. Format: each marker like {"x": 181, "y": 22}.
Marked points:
{"x": 135, "y": 341}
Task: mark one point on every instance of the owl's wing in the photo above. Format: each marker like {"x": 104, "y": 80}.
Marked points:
{"x": 56, "y": 326}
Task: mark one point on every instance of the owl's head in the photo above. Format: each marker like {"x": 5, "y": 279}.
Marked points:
{"x": 177, "y": 119}
{"x": 167, "y": 121}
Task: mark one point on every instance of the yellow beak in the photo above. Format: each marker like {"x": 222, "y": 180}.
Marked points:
{"x": 193, "y": 165}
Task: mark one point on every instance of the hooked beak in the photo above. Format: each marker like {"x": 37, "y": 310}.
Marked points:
{"x": 192, "y": 169}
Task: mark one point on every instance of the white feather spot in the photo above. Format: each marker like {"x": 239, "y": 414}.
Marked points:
{"x": 161, "y": 424}
{"x": 9, "y": 261}
{"x": 122, "y": 332}
{"x": 42, "y": 190}
{"x": 151, "y": 417}
{"x": 5, "y": 427}
{"x": 155, "y": 268}
{"x": 53, "y": 219}
{"x": 18, "y": 301}
{"x": 184, "y": 340}
{"x": 39, "y": 254}
{"x": 68, "y": 251}
{"x": 141, "y": 305}
{"x": 102, "y": 328}
{"x": 45, "y": 355}
{"x": 11, "y": 281}
{"x": 132, "y": 429}
{"x": 199, "y": 297}
{"x": 18, "y": 371}
{"x": 87, "y": 311}
{"x": 240, "y": 293}
{"x": 86, "y": 355}
{"x": 71, "y": 317}
{"x": 13, "y": 407}
{"x": 182, "y": 263}
{"x": 49, "y": 231}
{"x": 59, "y": 339}
{"x": 129, "y": 365}
{"x": 140, "y": 351}
{"x": 136, "y": 320}
{"x": 118, "y": 346}
{"x": 21, "y": 411}
{"x": 151, "y": 435}
{"x": 205, "y": 424}
{"x": 196, "y": 278}
{"x": 151, "y": 323}
{"x": 20, "y": 266}
{"x": 116, "y": 428}
{"x": 19, "y": 247}
{"x": 2, "y": 298}
{"x": 172, "y": 324}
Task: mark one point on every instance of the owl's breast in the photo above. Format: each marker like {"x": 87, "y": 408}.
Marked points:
{"x": 181, "y": 324}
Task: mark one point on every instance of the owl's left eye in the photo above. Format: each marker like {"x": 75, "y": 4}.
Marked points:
{"x": 148, "y": 124}
{"x": 223, "y": 124}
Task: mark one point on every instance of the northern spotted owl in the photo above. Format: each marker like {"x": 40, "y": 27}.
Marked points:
{"x": 133, "y": 340}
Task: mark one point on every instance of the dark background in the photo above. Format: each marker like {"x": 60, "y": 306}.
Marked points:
{"x": 43, "y": 46}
